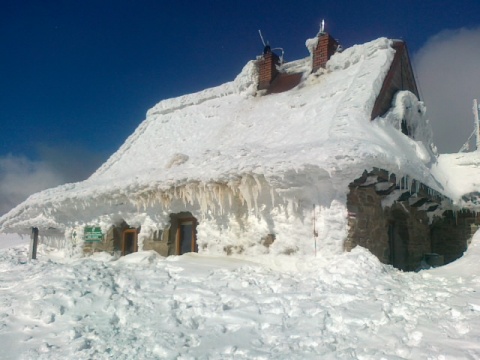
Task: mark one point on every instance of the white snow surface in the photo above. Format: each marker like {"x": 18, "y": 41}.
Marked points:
{"x": 143, "y": 306}
{"x": 461, "y": 175}
{"x": 317, "y": 136}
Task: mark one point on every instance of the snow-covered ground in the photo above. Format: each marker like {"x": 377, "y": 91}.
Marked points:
{"x": 143, "y": 306}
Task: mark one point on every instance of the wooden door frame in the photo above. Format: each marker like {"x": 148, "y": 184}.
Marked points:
{"x": 135, "y": 242}
{"x": 194, "y": 233}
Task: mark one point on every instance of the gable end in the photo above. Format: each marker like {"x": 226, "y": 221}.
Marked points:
{"x": 399, "y": 77}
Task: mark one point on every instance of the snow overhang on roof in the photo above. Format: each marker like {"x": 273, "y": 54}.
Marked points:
{"x": 460, "y": 175}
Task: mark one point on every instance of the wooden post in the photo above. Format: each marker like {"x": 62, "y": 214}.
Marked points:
{"x": 33, "y": 243}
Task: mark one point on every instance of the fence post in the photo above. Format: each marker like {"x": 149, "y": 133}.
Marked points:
{"x": 33, "y": 243}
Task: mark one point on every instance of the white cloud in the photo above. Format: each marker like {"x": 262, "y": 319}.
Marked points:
{"x": 20, "y": 177}
{"x": 448, "y": 73}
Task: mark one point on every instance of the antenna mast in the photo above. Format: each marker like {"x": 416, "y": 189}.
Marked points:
{"x": 261, "y": 37}
{"x": 476, "y": 109}
{"x": 476, "y": 129}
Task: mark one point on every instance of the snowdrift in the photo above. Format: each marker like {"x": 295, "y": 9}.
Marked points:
{"x": 195, "y": 306}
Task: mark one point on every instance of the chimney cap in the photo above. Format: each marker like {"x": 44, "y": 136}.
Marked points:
{"x": 322, "y": 27}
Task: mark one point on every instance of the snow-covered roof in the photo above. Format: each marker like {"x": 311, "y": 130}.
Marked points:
{"x": 219, "y": 134}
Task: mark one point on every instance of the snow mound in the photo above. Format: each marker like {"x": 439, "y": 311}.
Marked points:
{"x": 196, "y": 306}
{"x": 141, "y": 257}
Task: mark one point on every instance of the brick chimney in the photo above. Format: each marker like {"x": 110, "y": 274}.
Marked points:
{"x": 326, "y": 47}
{"x": 267, "y": 68}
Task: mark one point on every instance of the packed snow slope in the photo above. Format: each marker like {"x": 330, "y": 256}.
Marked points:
{"x": 218, "y": 135}
{"x": 143, "y": 306}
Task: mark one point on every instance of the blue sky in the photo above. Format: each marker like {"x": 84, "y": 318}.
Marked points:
{"x": 78, "y": 76}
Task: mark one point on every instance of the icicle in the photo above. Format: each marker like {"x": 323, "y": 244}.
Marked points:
{"x": 223, "y": 191}
{"x": 220, "y": 198}
{"x": 230, "y": 197}
{"x": 255, "y": 192}
{"x": 247, "y": 190}
{"x": 257, "y": 181}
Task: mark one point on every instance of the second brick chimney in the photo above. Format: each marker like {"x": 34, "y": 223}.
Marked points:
{"x": 326, "y": 47}
{"x": 267, "y": 68}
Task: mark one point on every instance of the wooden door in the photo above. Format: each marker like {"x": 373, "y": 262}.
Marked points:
{"x": 129, "y": 241}
{"x": 187, "y": 236}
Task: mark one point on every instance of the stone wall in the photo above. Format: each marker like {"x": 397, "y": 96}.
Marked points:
{"x": 112, "y": 241}
{"x": 401, "y": 234}
{"x": 107, "y": 245}
{"x": 367, "y": 222}
{"x": 158, "y": 242}
{"x": 409, "y": 235}
{"x": 452, "y": 233}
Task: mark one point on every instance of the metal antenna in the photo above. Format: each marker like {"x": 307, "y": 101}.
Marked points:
{"x": 281, "y": 56}
{"x": 261, "y": 37}
{"x": 476, "y": 129}
{"x": 477, "y": 125}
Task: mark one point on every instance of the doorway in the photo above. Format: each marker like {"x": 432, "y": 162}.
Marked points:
{"x": 129, "y": 241}
{"x": 186, "y": 237}
{"x": 398, "y": 242}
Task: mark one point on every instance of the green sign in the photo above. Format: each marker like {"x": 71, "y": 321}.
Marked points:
{"x": 92, "y": 233}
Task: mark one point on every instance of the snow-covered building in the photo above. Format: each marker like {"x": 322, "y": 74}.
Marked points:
{"x": 312, "y": 156}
